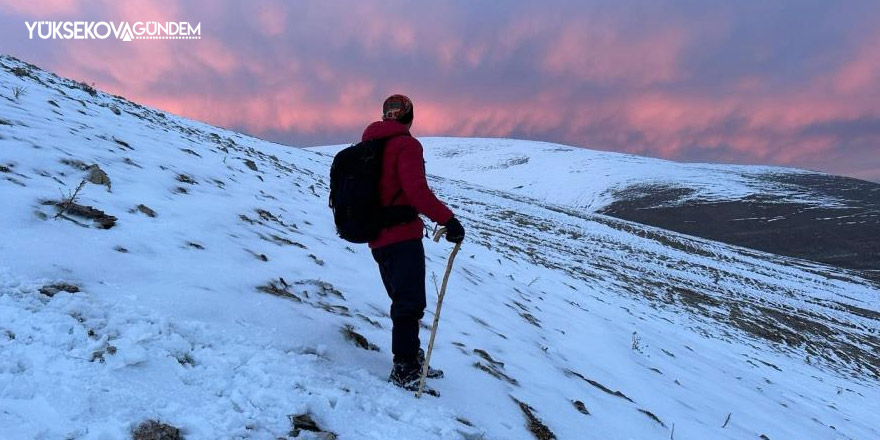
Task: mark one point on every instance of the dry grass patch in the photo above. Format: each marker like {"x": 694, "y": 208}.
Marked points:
{"x": 156, "y": 430}
{"x": 144, "y": 209}
{"x": 51, "y": 289}
{"x": 535, "y": 425}
{"x": 358, "y": 339}
{"x": 305, "y": 422}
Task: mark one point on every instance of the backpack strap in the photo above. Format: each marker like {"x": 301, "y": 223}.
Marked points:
{"x": 394, "y": 199}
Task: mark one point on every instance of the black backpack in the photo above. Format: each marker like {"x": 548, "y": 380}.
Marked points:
{"x": 354, "y": 194}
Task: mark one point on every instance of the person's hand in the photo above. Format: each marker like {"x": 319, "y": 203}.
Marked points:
{"x": 454, "y": 231}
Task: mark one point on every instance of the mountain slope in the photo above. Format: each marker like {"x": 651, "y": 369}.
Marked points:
{"x": 220, "y": 301}
{"x": 829, "y": 219}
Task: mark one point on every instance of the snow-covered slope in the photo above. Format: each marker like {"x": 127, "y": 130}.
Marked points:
{"x": 581, "y": 178}
{"x": 220, "y": 301}
{"x": 830, "y": 219}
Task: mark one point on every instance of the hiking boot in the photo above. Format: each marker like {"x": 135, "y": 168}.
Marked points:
{"x": 433, "y": 373}
{"x": 407, "y": 374}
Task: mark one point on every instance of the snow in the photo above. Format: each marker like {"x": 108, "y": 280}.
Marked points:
{"x": 588, "y": 179}
{"x": 174, "y": 327}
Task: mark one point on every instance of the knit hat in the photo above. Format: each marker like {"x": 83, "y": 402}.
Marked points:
{"x": 398, "y": 108}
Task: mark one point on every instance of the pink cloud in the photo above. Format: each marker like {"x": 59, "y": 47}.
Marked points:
{"x": 41, "y": 9}
{"x": 596, "y": 51}
{"x": 272, "y": 18}
{"x": 862, "y": 72}
{"x": 524, "y": 77}
{"x": 143, "y": 10}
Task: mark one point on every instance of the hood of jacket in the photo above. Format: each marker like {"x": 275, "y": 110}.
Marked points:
{"x": 384, "y": 129}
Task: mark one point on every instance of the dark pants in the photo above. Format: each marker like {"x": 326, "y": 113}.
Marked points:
{"x": 402, "y": 267}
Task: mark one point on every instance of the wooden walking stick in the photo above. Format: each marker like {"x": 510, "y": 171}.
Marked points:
{"x": 440, "y": 232}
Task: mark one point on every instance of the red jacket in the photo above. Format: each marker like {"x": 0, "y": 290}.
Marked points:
{"x": 403, "y": 172}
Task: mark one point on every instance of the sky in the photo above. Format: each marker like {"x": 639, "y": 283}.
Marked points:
{"x": 793, "y": 83}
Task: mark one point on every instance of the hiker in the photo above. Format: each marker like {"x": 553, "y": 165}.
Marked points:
{"x": 398, "y": 249}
